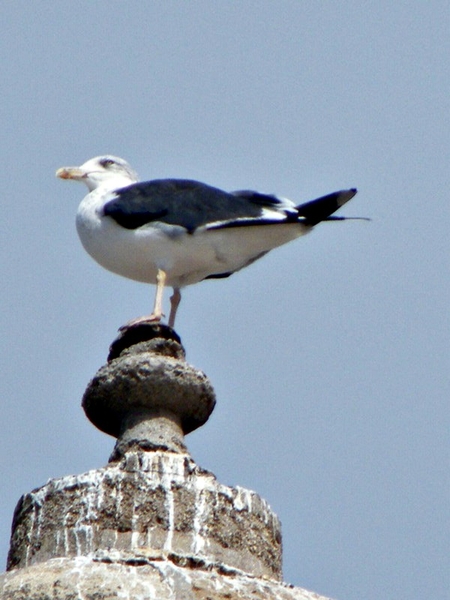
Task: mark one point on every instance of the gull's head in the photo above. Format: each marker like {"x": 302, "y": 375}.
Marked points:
{"x": 102, "y": 171}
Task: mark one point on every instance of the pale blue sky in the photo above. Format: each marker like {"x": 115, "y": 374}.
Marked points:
{"x": 330, "y": 357}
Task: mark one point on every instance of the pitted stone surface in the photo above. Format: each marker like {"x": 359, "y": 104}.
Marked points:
{"x": 153, "y": 578}
{"x": 149, "y": 500}
{"x": 151, "y": 376}
{"x": 152, "y": 525}
{"x": 143, "y": 332}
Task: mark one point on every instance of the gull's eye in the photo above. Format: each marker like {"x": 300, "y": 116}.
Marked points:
{"x": 107, "y": 162}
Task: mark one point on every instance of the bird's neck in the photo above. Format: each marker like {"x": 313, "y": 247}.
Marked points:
{"x": 109, "y": 185}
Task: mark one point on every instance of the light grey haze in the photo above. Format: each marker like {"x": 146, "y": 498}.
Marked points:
{"x": 329, "y": 357}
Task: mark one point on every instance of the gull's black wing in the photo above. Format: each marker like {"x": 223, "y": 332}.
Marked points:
{"x": 318, "y": 210}
{"x": 191, "y": 204}
{"x": 178, "y": 202}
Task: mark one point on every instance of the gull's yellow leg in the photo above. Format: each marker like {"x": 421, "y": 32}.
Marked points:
{"x": 157, "y": 308}
{"x": 157, "y": 313}
{"x": 175, "y": 299}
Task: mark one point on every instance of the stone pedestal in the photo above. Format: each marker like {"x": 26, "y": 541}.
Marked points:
{"x": 147, "y": 504}
{"x": 151, "y": 524}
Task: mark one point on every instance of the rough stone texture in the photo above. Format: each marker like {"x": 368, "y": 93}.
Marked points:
{"x": 131, "y": 335}
{"x": 150, "y": 430}
{"x": 148, "y": 500}
{"x": 150, "y": 377}
{"x": 151, "y": 525}
{"x": 154, "y": 577}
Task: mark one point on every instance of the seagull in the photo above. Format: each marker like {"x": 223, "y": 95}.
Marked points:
{"x": 177, "y": 232}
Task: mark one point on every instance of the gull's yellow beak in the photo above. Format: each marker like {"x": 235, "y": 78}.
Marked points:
{"x": 70, "y": 173}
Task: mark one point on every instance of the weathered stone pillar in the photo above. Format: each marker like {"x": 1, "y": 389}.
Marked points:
{"x": 151, "y": 524}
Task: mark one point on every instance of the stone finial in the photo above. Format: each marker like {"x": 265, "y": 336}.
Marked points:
{"x": 152, "y": 497}
{"x": 151, "y": 524}
{"x": 147, "y": 395}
